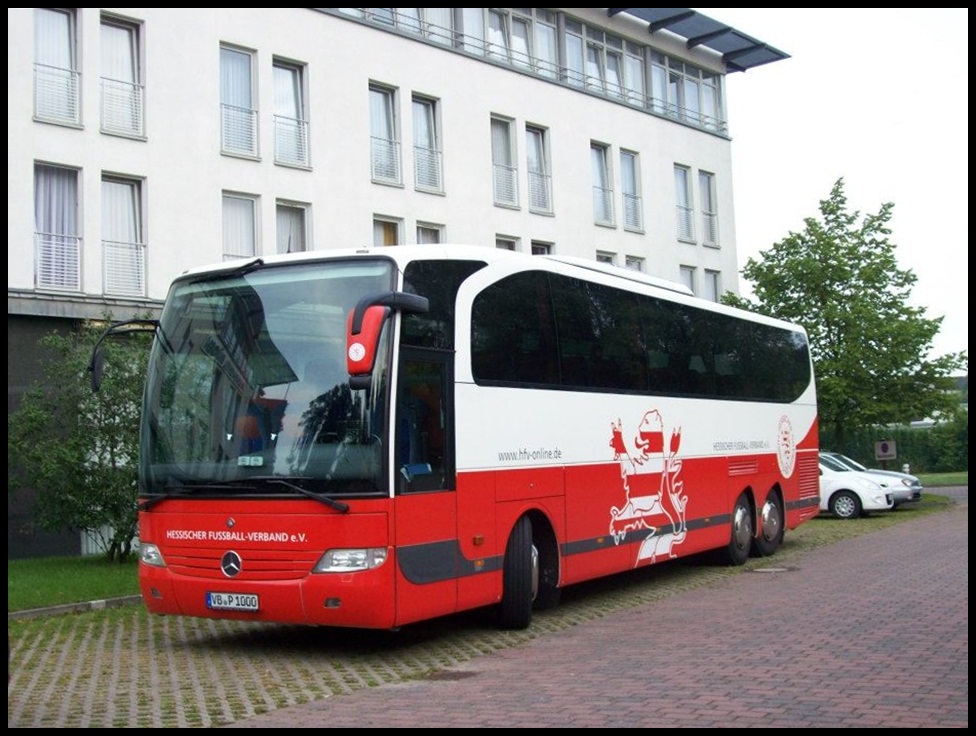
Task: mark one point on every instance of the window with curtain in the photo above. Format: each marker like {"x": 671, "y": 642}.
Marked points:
{"x": 426, "y": 146}
{"x": 57, "y": 79}
{"x": 634, "y": 263}
{"x": 57, "y": 230}
{"x": 238, "y": 118}
{"x": 709, "y": 208}
{"x": 385, "y": 146}
{"x": 386, "y": 231}
{"x": 546, "y": 50}
{"x": 713, "y": 285}
{"x": 538, "y": 248}
{"x": 684, "y": 212}
{"x": 240, "y": 227}
{"x": 602, "y": 186}
{"x": 290, "y": 123}
{"x": 605, "y": 257}
{"x": 687, "y": 277}
{"x": 290, "y": 227}
{"x": 537, "y": 164}
{"x": 503, "y": 163}
{"x": 630, "y": 184}
{"x": 428, "y": 233}
{"x": 506, "y": 243}
{"x": 122, "y": 110}
{"x": 123, "y": 249}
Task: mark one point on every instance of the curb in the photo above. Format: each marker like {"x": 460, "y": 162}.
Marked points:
{"x": 74, "y": 607}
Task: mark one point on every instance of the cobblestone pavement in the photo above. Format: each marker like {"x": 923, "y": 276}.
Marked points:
{"x": 870, "y": 631}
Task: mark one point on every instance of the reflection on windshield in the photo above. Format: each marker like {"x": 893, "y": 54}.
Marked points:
{"x": 254, "y": 381}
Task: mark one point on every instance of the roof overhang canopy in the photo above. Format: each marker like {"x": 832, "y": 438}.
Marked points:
{"x": 739, "y": 52}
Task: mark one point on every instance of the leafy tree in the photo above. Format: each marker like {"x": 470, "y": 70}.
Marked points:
{"x": 840, "y": 280}
{"x": 79, "y": 449}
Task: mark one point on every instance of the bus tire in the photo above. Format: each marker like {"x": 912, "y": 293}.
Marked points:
{"x": 772, "y": 527}
{"x": 740, "y": 539}
{"x": 515, "y": 609}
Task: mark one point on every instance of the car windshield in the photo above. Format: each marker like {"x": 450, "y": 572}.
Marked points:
{"x": 833, "y": 464}
{"x": 844, "y": 460}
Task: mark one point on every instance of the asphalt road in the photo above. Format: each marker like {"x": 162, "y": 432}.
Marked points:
{"x": 870, "y": 631}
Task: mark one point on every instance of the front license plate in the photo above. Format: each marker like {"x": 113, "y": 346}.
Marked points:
{"x": 232, "y": 601}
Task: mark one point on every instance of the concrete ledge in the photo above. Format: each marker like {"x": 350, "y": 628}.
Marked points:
{"x": 97, "y": 605}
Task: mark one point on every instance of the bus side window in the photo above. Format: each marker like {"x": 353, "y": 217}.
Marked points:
{"x": 421, "y": 434}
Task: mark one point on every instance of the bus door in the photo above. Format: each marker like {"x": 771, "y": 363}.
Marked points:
{"x": 425, "y": 524}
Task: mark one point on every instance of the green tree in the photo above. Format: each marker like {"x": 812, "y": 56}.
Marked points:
{"x": 77, "y": 449}
{"x": 839, "y": 279}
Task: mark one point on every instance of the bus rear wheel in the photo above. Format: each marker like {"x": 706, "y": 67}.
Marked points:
{"x": 520, "y": 572}
{"x": 772, "y": 527}
{"x": 740, "y": 540}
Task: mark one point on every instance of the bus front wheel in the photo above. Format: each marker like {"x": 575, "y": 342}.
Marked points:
{"x": 740, "y": 539}
{"x": 519, "y": 573}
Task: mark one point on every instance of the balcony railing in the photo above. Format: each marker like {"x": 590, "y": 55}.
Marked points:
{"x": 427, "y": 168}
{"x": 540, "y": 192}
{"x": 386, "y": 160}
{"x": 56, "y": 94}
{"x": 123, "y": 107}
{"x": 506, "y": 185}
{"x": 709, "y": 228}
{"x": 686, "y": 223}
{"x": 603, "y": 206}
{"x": 124, "y": 268}
{"x": 57, "y": 261}
{"x": 633, "y": 217}
{"x": 291, "y": 141}
{"x": 238, "y": 130}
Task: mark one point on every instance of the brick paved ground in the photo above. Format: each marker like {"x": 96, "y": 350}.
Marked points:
{"x": 870, "y": 632}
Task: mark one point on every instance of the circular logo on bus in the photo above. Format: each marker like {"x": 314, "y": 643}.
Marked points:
{"x": 357, "y": 352}
{"x": 786, "y": 447}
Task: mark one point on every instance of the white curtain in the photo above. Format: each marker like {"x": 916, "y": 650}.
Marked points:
{"x": 235, "y": 78}
{"x": 291, "y": 229}
{"x": 238, "y": 227}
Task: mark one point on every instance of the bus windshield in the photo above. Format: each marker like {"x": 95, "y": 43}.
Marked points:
{"x": 247, "y": 383}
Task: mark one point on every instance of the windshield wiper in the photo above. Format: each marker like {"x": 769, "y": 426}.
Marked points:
{"x": 327, "y": 500}
{"x": 183, "y": 489}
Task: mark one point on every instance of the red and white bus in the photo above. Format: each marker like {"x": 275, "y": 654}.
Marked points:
{"x": 375, "y": 437}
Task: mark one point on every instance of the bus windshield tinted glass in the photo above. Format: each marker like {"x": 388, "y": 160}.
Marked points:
{"x": 248, "y": 382}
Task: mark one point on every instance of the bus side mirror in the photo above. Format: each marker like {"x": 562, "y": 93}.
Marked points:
{"x": 96, "y": 366}
{"x": 363, "y": 330}
{"x": 361, "y": 347}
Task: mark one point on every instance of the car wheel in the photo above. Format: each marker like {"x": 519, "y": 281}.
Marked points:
{"x": 845, "y": 505}
{"x": 772, "y": 529}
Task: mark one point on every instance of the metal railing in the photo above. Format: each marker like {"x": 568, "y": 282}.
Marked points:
{"x": 123, "y": 109}
{"x": 57, "y": 261}
{"x": 124, "y": 268}
{"x": 238, "y": 130}
{"x": 56, "y": 94}
{"x": 291, "y": 141}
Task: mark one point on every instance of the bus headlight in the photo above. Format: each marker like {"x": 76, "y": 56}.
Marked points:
{"x": 351, "y": 560}
{"x": 149, "y": 554}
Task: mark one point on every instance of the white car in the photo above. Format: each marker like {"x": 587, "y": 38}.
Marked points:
{"x": 848, "y": 494}
{"x": 904, "y": 487}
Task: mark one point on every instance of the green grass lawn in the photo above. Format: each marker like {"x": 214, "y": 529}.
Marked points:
{"x": 934, "y": 480}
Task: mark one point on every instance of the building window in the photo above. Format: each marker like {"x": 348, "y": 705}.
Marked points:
{"x": 291, "y": 221}
{"x": 240, "y": 226}
{"x": 712, "y": 285}
{"x": 541, "y": 249}
{"x": 630, "y": 184}
{"x": 506, "y": 243}
{"x": 427, "y": 156}
{"x": 386, "y": 231}
{"x": 634, "y": 263}
{"x": 684, "y": 91}
{"x": 503, "y": 163}
{"x": 385, "y": 145}
{"x": 709, "y": 209}
{"x": 684, "y": 212}
{"x": 606, "y": 257}
{"x": 290, "y": 115}
{"x": 57, "y": 79}
{"x": 540, "y": 180}
{"x": 238, "y": 118}
{"x": 602, "y": 187}
{"x": 122, "y": 98}
{"x": 123, "y": 247}
{"x": 57, "y": 230}
{"x": 687, "y": 274}
{"x": 429, "y": 233}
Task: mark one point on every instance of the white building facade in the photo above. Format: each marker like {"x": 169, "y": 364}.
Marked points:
{"x": 144, "y": 141}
